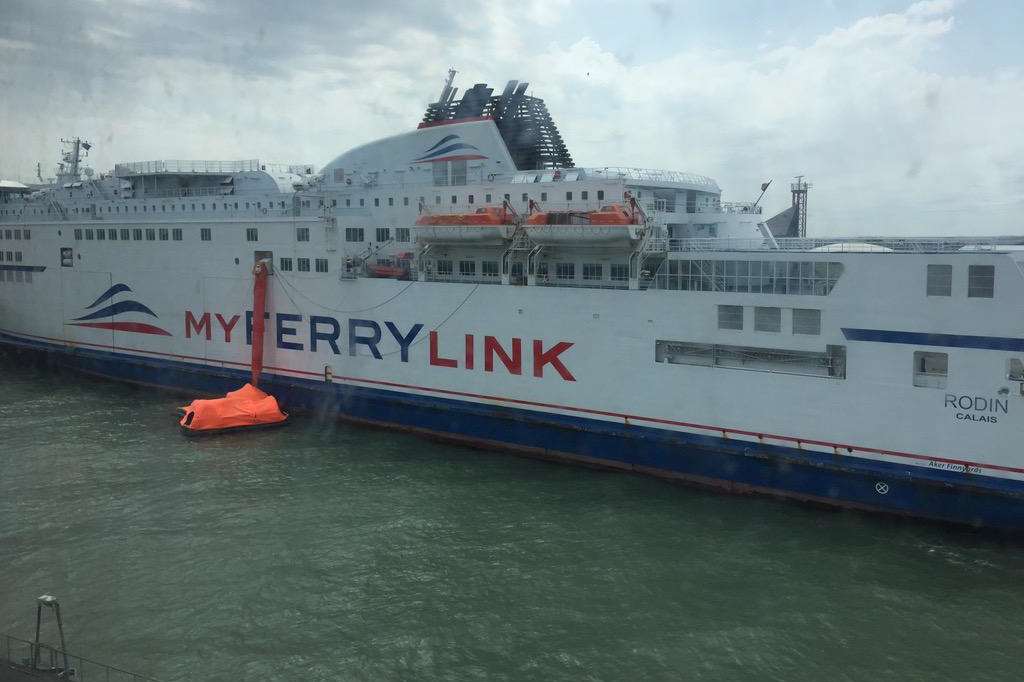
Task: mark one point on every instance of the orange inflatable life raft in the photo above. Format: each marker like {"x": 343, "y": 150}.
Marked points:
{"x": 245, "y": 408}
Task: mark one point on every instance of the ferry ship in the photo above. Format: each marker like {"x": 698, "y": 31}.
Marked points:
{"x": 465, "y": 279}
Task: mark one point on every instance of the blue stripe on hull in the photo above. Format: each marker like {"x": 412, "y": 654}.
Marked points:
{"x": 736, "y": 466}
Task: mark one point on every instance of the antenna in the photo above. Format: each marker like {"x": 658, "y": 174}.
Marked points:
{"x": 799, "y": 189}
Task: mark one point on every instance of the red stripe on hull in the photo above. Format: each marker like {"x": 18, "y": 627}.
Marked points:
{"x": 137, "y": 327}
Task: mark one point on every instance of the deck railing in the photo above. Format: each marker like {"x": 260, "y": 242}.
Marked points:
{"x": 32, "y": 659}
{"x": 845, "y": 244}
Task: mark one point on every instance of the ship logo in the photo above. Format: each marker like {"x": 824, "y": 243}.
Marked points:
{"x": 444, "y": 148}
{"x": 112, "y": 310}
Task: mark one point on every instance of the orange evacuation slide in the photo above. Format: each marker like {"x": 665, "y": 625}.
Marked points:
{"x": 246, "y": 407}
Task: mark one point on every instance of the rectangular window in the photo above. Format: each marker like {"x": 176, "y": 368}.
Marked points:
{"x": 730, "y": 317}
{"x": 348, "y": 203}
{"x": 402, "y": 234}
{"x": 767, "y": 319}
{"x": 405, "y": 201}
{"x": 303, "y": 264}
{"x": 126, "y": 234}
{"x": 285, "y": 265}
{"x": 252, "y": 234}
{"x": 600, "y": 195}
{"x": 17, "y": 257}
{"x": 89, "y": 234}
{"x": 565, "y": 271}
{"x": 620, "y": 272}
{"x": 78, "y": 234}
{"x": 489, "y": 268}
{"x": 165, "y": 234}
{"x": 806, "y": 321}
{"x": 584, "y": 195}
{"x": 112, "y": 234}
{"x": 455, "y": 199}
{"x": 176, "y": 234}
{"x": 205, "y": 234}
{"x": 543, "y": 196}
{"x": 150, "y": 234}
{"x": 101, "y": 234}
{"x": 376, "y": 202}
{"x": 593, "y": 271}
{"x": 467, "y": 268}
{"x": 459, "y": 172}
{"x": 981, "y": 281}
{"x": 568, "y": 196}
{"x": 444, "y": 268}
{"x": 930, "y": 369}
{"x": 362, "y": 202}
{"x": 940, "y": 280}
{"x": 321, "y": 265}
{"x": 391, "y": 201}
{"x": 487, "y": 198}
{"x": 353, "y": 234}
{"x": 526, "y": 197}
{"x": 28, "y": 234}
{"x": 302, "y": 234}
{"x": 137, "y": 234}
{"x": 470, "y": 198}
{"x": 437, "y": 199}
{"x": 440, "y": 173}
{"x": 383, "y": 234}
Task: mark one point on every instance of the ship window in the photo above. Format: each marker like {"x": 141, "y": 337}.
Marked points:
{"x": 236, "y": 206}
{"x": 205, "y": 234}
{"x": 584, "y": 195}
{"x": 101, "y": 234}
{"x": 150, "y": 234}
{"x": 172, "y": 207}
{"x": 930, "y": 369}
{"x": 137, "y": 234}
{"x": 470, "y": 198}
{"x": 980, "y": 281}
{"x": 321, "y": 265}
{"x": 144, "y": 209}
{"x": 78, "y": 235}
{"x": 565, "y": 271}
{"x": 112, "y": 234}
{"x": 19, "y": 276}
{"x": 67, "y": 258}
{"x": 593, "y": 271}
{"x": 282, "y": 204}
{"x": 405, "y": 201}
{"x": 303, "y": 264}
{"x": 620, "y": 272}
{"x": 809, "y": 278}
{"x": 767, "y": 319}
{"x": 8, "y": 233}
{"x": 348, "y": 203}
{"x": 455, "y": 199}
{"x": 600, "y": 195}
{"x": 391, "y": 201}
{"x": 437, "y": 199}
{"x": 17, "y": 234}
{"x": 176, "y": 234}
{"x": 383, "y": 234}
{"x": 830, "y": 364}
{"x": 362, "y": 201}
{"x": 402, "y": 234}
{"x": 163, "y": 208}
{"x": 203, "y": 205}
{"x": 252, "y": 234}
{"x": 487, "y": 198}
{"x": 125, "y": 234}
{"x": 334, "y": 203}
{"x": 467, "y": 268}
{"x": 17, "y": 257}
{"x": 489, "y": 268}
{"x": 940, "y": 280}
{"x": 89, "y": 235}
{"x": 164, "y": 234}
{"x": 730, "y": 317}
{"x": 440, "y": 173}
{"x": 444, "y": 268}
{"x": 285, "y": 264}
{"x": 193, "y": 207}
{"x": 10, "y": 256}
{"x": 543, "y": 196}
{"x": 806, "y": 321}
{"x": 525, "y": 197}
{"x": 376, "y": 202}
{"x": 302, "y": 234}
{"x": 339, "y": 175}
{"x": 354, "y": 234}
{"x": 568, "y": 196}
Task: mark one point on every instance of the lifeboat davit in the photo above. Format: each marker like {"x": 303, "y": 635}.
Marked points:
{"x": 397, "y": 269}
{"x": 612, "y": 223}
{"x": 242, "y": 409}
{"x": 490, "y": 224}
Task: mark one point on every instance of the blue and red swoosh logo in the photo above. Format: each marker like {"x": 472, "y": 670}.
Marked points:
{"x": 444, "y": 148}
{"x": 115, "y": 309}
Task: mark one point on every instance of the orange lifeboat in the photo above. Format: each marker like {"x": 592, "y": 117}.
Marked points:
{"x": 612, "y": 223}
{"x": 489, "y": 224}
{"x": 245, "y": 408}
{"x": 613, "y": 214}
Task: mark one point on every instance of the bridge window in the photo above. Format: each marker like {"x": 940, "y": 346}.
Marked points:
{"x": 354, "y": 234}
{"x": 767, "y": 319}
{"x": 981, "y": 281}
{"x": 383, "y": 234}
{"x": 930, "y": 369}
{"x": 303, "y": 264}
{"x": 940, "y": 280}
{"x": 730, "y": 317}
{"x": 593, "y": 271}
{"x": 285, "y": 265}
{"x": 806, "y": 278}
{"x": 806, "y": 321}
{"x": 302, "y": 234}
{"x": 252, "y": 234}
{"x": 205, "y": 234}
{"x": 402, "y": 234}
{"x": 321, "y": 265}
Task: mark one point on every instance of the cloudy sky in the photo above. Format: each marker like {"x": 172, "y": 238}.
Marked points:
{"x": 906, "y": 117}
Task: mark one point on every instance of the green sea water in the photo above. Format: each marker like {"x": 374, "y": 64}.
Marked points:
{"x": 325, "y": 551}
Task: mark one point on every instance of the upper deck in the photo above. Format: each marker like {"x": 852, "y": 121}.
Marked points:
{"x": 875, "y": 244}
